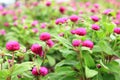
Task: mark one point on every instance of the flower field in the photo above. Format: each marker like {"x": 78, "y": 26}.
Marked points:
{"x": 60, "y": 40}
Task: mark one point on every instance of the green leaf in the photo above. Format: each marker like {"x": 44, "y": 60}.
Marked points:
{"x": 89, "y": 61}
{"x": 64, "y": 41}
{"x": 90, "y": 73}
{"x": 21, "y": 68}
{"x": 51, "y": 60}
{"x": 106, "y": 47}
{"x": 66, "y": 62}
{"x": 4, "y": 74}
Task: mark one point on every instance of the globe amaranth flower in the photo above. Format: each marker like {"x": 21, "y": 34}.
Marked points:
{"x": 45, "y": 36}
{"x": 95, "y": 27}
{"x": 76, "y": 43}
{"x": 48, "y": 3}
{"x": 80, "y": 31}
{"x": 88, "y": 43}
{"x": 117, "y": 30}
{"x": 62, "y": 9}
{"x": 37, "y": 49}
{"x": 50, "y": 43}
{"x": 43, "y": 71}
{"x": 95, "y": 18}
{"x": 12, "y": 46}
{"x": 35, "y": 71}
{"x": 61, "y": 20}
{"x": 34, "y": 23}
{"x": 74, "y": 18}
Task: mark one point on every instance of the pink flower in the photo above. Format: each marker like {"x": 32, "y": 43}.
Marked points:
{"x": 35, "y": 30}
{"x": 93, "y": 10}
{"x": 2, "y": 32}
{"x": 74, "y": 18}
{"x": 4, "y": 13}
{"x": 1, "y": 7}
{"x": 37, "y": 49}
{"x": 48, "y": 3}
{"x": 15, "y": 18}
{"x": 35, "y": 72}
{"x": 50, "y": 43}
{"x": 12, "y": 46}
{"x": 17, "y": 4}
{"x": 15, "y": 24}
{"x": 45, "y": 36}
{"x": 61, "y": 34}
{"x": 61, "y": 20}
{"x": 95, "y": 18}
{"x": 6, "y": 24}
{"x": 80, "y": 31}
{"x": 76, "y": 43}
{"x": 34, "y": 23}
{"x": 87, "y": 4}
{"x": 43, "y": 25}
{"x": 43, "y": 71}
{"x": 88, "y": 43}
{"x": 107, "y": 11}
{"x": 116, "y": 22}
{"x": 35, "y": 3}
{"x": 73, "y": 31}
{"x": 62, "y": 9}
{"x": 117, "y": 30}
{"x": 25, "y": 27}
{"x": 95, "y": 27}
{"x": 96, "y": 5}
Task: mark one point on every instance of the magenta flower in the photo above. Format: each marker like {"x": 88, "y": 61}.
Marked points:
{"x": 48, "y": 3}
{"x": 12, "y": 46}
{"x": 2, "y": 32}
{"x": 62, "y": 9}
{"x": 43, "y": 71}
{"x": 76, "y": 43}
{"x": 1, "y": 8}
{"x": 43, "y": 25}
{"x": 25, "y": 27}
{"x": 45, "y": 36}
{"x": 35, "y": 72}
{"x": 50, "y": 43}
{"x": 15, "y": 18}
{"x": 61, "y": 20}
{"x": 95, "y": 27}
{"x": 35, "y": 30}
{"x": 107, "y": 11}
{"x": 15, "y": 24}
{"x": 81, "y": 31}
{"x": 74, "y": 18}
{"x": 73, "y": 31}
{"x": 117, "y": 30}
{"x": 37, "y": 49}
{"x": 4, "y": 13}
{"x": 34, "y": 23}
{"x": 61, "y": 34}
{"x": 88, "y": 43}
{"x": 87, "y": 4}
{"x": 6, "y": 24}
{"x": 96, "y": 5}
{"x": 95, "y": 18}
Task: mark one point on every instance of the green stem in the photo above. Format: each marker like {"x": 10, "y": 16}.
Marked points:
{"x": 93, "y": 36}
{"x": 114, "y": 44}
{"x": 81, "y": 63}
{"x": 13, "y": 58}
{"x": 1, "y": 63}
{"x": 44, "y": 56}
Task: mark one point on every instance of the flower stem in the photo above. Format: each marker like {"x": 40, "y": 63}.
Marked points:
{"x": 13, "y": 58}
{"x": 81, "y": 63}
